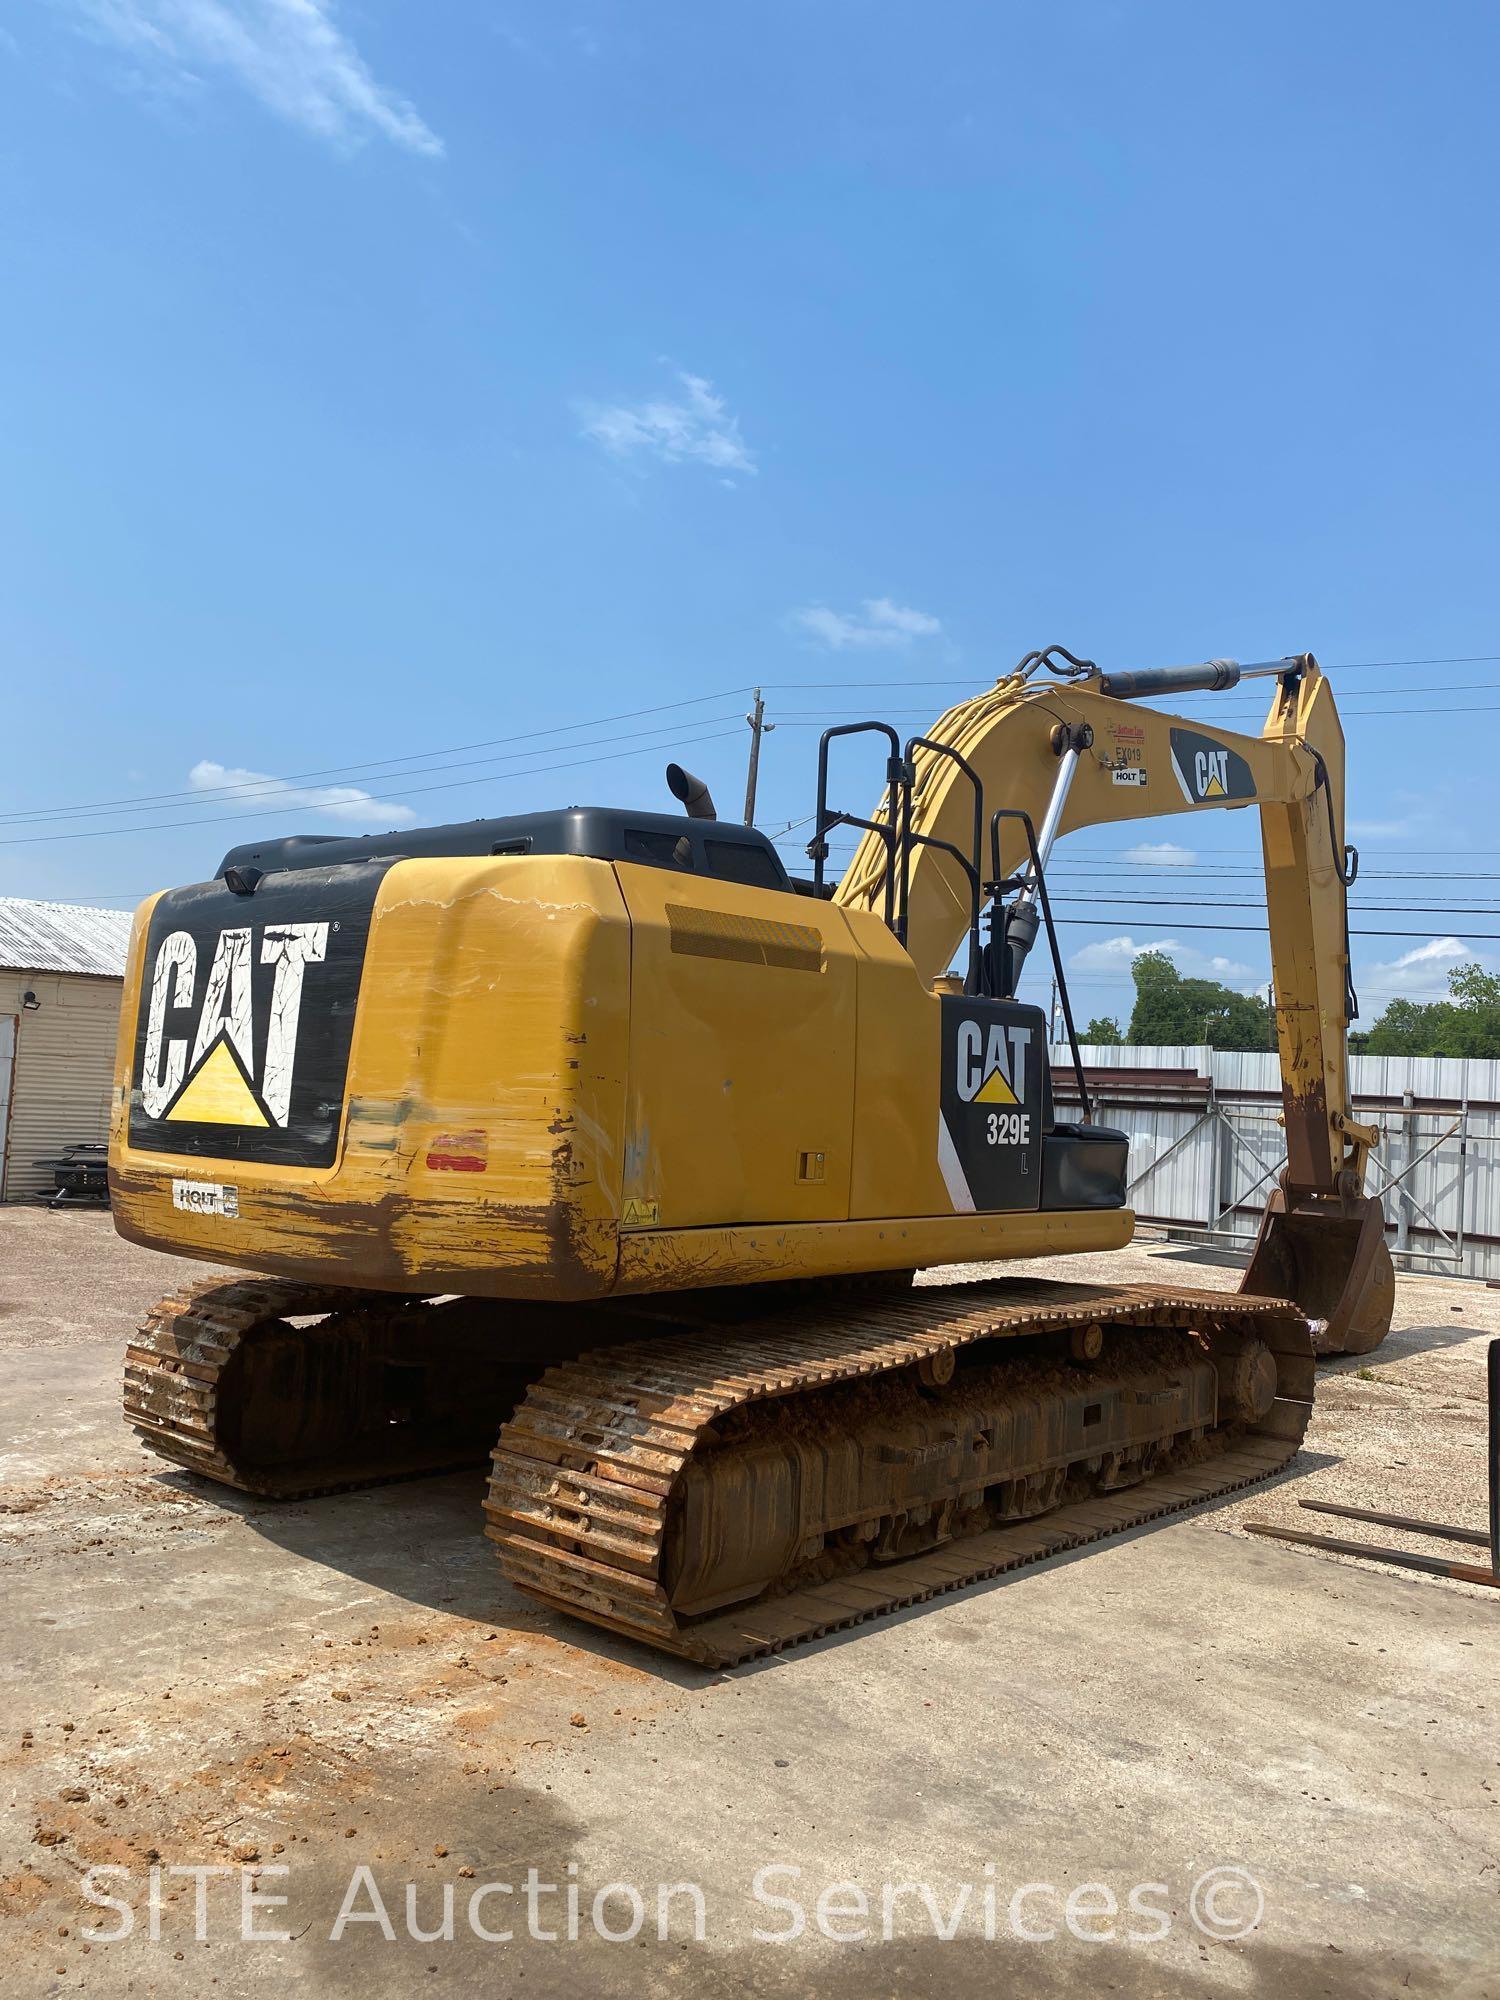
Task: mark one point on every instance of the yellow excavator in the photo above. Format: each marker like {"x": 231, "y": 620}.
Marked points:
{"x": 596, "y": 1133}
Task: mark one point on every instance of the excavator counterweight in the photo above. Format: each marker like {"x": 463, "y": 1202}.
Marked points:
{"x": 595, "y": 1141}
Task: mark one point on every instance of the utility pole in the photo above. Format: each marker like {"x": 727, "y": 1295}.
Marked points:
{"x": 758, "y": 727}
{"x": 1052, "y": 1016}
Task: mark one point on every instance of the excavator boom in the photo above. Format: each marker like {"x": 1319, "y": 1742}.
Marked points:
{"x": 1083, "y": 752}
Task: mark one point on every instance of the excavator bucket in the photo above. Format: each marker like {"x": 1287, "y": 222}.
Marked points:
{"x": 1331, "y": 1258}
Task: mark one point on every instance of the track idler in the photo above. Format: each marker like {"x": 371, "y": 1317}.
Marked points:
{"x": 1330, "y": 1255}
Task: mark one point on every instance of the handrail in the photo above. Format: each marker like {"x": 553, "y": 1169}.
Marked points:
{"x": 911, "y": 836}
{"x": 895, "y": 774}
{"x": 1039, "y": 878}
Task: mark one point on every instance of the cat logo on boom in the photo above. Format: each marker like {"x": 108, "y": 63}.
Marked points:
{"x": 210, "y": 1077}
{"x": 1208, "y": 772}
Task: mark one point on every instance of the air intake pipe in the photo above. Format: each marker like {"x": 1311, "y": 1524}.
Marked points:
{"x": 697, "y": 800}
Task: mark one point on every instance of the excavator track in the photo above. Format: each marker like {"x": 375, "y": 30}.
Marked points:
{"x": 660, "y": 1477}
{"x": 604, "y": 1476}
{"x": 219, "y": 1381}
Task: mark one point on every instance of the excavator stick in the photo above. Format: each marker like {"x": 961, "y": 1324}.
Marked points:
{"x": 1330, "y": 1255}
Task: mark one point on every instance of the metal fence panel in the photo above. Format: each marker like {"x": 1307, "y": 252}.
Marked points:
{"x": 1207, "y": 1144}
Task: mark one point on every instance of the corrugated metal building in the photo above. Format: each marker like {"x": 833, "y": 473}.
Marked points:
{"x": 62, "y": 968}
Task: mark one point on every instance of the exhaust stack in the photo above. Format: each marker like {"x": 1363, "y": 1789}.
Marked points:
{"x": 697, "y": 800}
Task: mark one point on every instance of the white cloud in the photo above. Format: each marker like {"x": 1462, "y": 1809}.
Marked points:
{"x": 1384, "y": 829}
{"x": 878, "y": 622}
{"x": 1118, "y": 954}
{"x": 288, "y": 53}
{"x": 695, "y": 426}
{"x": 1161, "y": 854}
{"x": 1414, "y": 815}
{"x": 1419, "y": 974}
{"x": 350, "y": 803}
{"x": 1107, "y": 954}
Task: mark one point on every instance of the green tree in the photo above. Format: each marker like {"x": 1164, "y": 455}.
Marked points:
{"x": 1103, "y": 1032}
{"x": 1467, "y": 1023}
{"x": 1171, "y": 1009}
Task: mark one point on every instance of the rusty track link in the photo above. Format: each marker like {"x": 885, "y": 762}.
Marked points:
{"x": 585, "y": 1472}
{"x": 174, "y": 1375}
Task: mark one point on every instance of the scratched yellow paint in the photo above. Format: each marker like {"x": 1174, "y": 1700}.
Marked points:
{"x": 621, "y": 1088}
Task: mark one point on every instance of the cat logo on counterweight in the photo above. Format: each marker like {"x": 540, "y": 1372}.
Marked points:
{"x": 245, "y": 1021}
{"x": 992, "y": 1064}
{"x": 209, "y": 1075}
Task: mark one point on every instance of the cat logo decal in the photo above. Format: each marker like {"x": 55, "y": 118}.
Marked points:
{"x": 1209, "y": 773}
{"x": 992, "y": 1065}
{"x": 208, "y": 1075}
{"x": 245, "y": 1021}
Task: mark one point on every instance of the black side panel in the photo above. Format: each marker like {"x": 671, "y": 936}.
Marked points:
{"x": 990, "y": 1139}
{"x": 1083, "y": 1166}
{"x": 246, "y": 1015}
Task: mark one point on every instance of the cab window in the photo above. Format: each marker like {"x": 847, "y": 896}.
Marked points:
{"x": 738, "y": 861}
{"x": 663, "y": 850}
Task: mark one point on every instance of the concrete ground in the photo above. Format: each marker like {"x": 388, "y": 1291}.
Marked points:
{"x": 192, "y": 1680}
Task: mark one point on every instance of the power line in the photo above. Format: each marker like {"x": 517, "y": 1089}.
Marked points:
{"x": 1224, "y": 874}
{"x": 284, "y": 789}
{"x": 394, "y": 765}
{"x": 1160, "y": 876}
{"x": 1203, "y": 694}
{"x": 376, "y": 798}
{"x": 1257, "y": 930}
{"x": 1450, "y": 660}
{"x": 790, "y": 721}
{"x": 1170, "y": 868}
{"x": 1366, "y": 714}
{"x": 383, "y": 764}
{"x": 1328, "y": 667}
{"x": 1372, "y": 909}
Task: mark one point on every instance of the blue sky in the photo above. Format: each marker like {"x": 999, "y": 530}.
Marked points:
{"x": 377, "y": 380}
